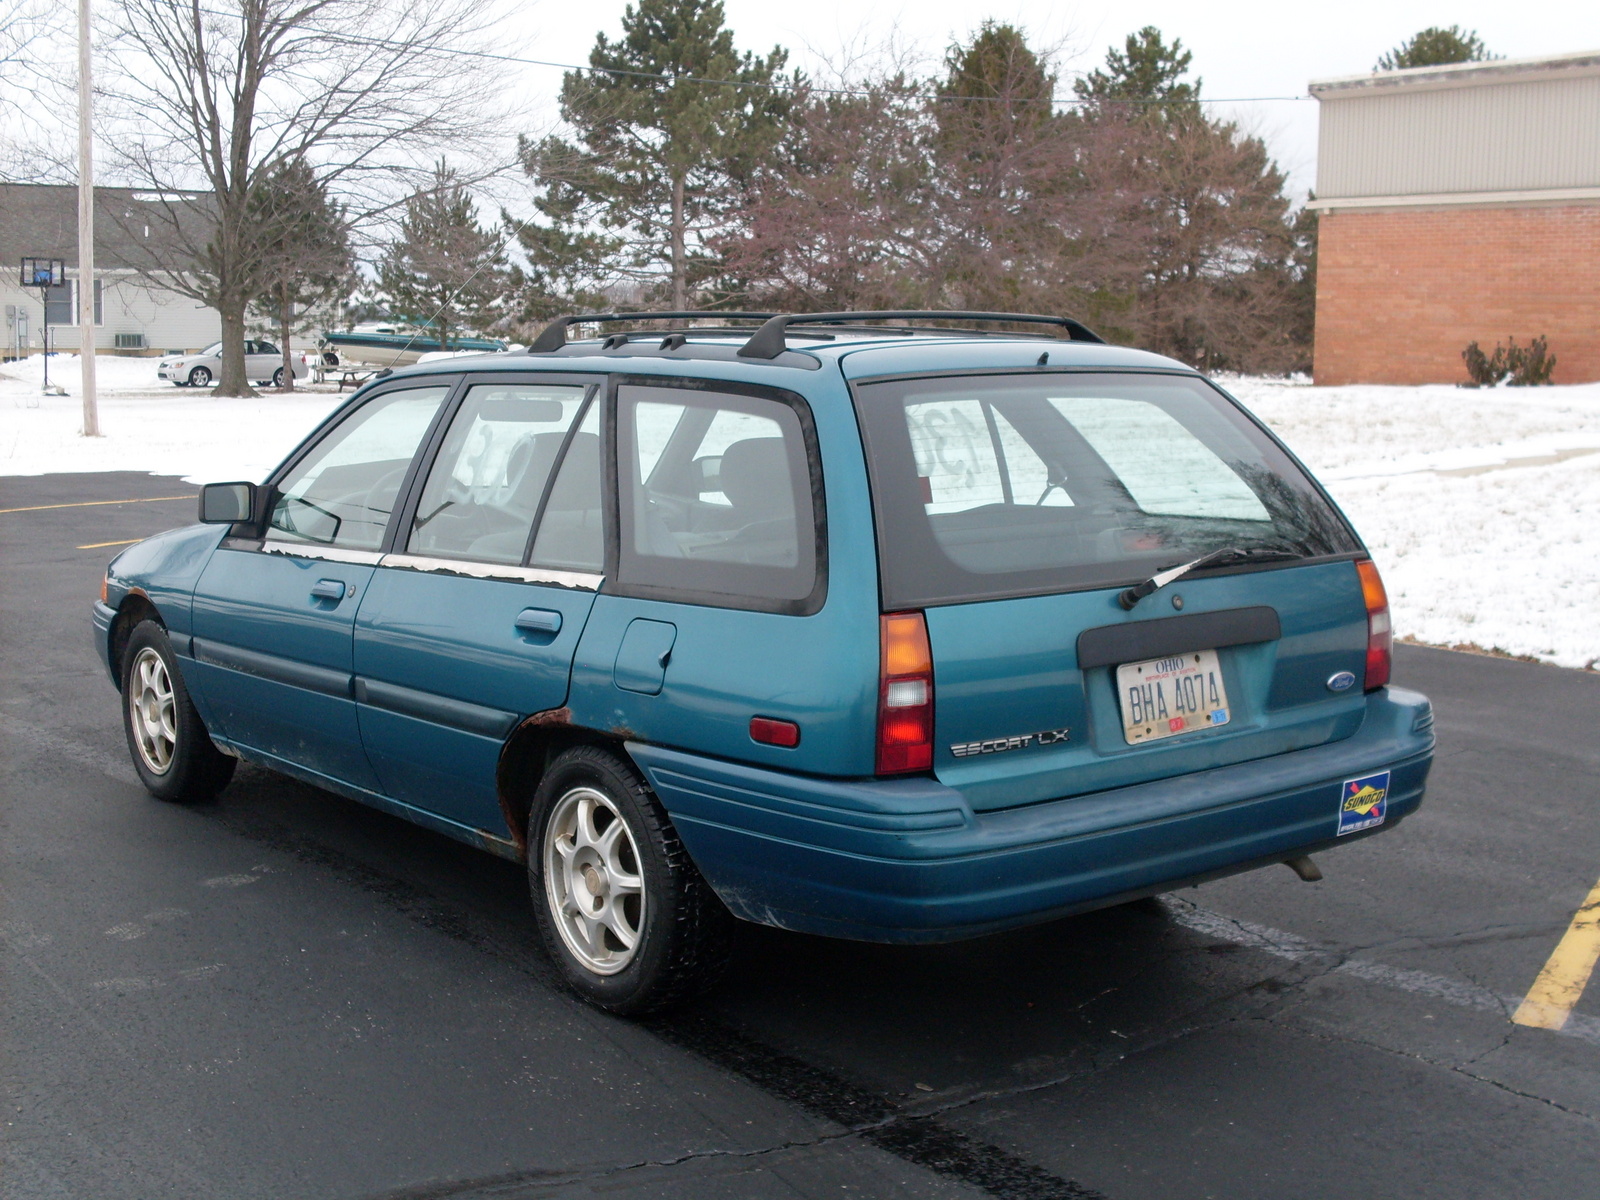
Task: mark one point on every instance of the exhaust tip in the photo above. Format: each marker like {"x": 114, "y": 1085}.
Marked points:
{"x": 1304, "y": 867}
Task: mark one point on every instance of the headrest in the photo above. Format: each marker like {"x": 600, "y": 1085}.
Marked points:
{"x": 755, "y": 478}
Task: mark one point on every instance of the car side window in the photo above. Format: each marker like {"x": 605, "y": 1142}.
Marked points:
{"x": 492, "y": 470}
{"x": 716, "y": 495}
{"x": 342, "y": 493}
{"x": 266, "y": 348}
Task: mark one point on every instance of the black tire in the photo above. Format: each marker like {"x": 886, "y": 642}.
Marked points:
{"x": 685, "y": 935}
{"x": 277, "y": 378}
{"x": 190, "y": 768}
{"x": 200, "y": 377}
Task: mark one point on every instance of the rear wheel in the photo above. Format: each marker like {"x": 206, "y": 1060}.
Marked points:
{"x": 622, "y": 910}
{"x": 172, "y": 752}
{"x": 277, "y": 378}
{"x": 200, "y": 377}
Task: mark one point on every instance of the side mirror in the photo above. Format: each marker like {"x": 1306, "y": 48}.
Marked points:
{"x": 227, "y": 503}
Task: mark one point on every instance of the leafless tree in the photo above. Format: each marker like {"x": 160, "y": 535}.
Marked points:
{"x": 219, "y": 97}
{"x": 31, "y": 90}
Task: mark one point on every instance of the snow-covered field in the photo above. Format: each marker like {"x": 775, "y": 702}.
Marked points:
{"x": 1482, "y": 508}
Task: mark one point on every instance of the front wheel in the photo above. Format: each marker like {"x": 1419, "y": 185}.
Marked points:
{"x": 172, "y": 752}
{"x": 199, "y": 377}
{"x": 622, "y": 910}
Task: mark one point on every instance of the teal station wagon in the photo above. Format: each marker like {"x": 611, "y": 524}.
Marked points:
{"x": 843, "y": 623}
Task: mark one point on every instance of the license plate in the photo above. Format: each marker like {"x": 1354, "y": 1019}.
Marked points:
{"x": 1164, "y": 697}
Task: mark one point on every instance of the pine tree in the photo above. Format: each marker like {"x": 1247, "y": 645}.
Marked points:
{"x": 1145, "y": 77}
{"x": 306, "y": 257}
{"x": 1209, "y": 251}
{"x": 659, "y": 154}
{"x": 1434, "y": 47}
{"x": 445, "y": 271}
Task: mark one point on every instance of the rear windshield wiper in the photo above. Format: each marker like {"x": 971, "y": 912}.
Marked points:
{"x": 1227, "y": 554}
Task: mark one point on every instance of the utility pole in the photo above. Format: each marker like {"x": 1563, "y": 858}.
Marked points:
{"x": 91, "y": 404}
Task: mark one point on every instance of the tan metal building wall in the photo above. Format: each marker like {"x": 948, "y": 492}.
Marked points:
{"x": 1487, "y": 127}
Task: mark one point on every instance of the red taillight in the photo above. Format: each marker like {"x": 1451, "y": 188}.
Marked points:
{"x": 1380, "y": 632}
{"x": 905, "y": 694}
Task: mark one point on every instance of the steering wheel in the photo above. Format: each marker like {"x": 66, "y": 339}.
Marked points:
{"x": 388, "y": 482}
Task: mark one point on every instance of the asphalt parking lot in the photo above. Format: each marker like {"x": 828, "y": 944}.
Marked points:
{"x": 285, "y": 994}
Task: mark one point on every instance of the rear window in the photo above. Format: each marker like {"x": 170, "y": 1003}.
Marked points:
{"x": 991, "y": 486}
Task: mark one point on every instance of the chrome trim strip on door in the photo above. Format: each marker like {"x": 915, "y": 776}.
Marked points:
{"x": 270, "y": 666}
{"x": 338, "y": 554}
{"x": 577, "y": 580}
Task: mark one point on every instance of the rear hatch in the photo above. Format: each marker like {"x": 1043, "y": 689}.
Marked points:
{"x": 1015, "y": 509}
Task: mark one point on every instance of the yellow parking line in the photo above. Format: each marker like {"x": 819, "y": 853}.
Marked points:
{"x": 1560, "y": 985}
{"x": 92, "y": 503}
{"x": 103, "y": 545}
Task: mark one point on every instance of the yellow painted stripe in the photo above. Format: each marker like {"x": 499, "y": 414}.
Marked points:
{"x": 103, "y": 545}
{"x": 92, "y": 503}
{"x": 1560, "y": 985}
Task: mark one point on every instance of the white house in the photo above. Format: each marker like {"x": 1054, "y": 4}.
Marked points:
{"x": 133, "y": 313}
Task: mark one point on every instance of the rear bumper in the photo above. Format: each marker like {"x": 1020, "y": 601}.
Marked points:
{"x": 909, "y": 860}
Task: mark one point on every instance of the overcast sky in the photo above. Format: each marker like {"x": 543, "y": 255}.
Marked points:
{"x": 1242, "y": 48}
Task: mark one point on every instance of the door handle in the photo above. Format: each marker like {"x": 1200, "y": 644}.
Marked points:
{"x": 538, "y": 620}
{"x": 327, "y": 589}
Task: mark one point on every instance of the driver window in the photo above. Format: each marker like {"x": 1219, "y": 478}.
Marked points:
{"x": 491, "y": 471}
{"x": 341, "y": 494}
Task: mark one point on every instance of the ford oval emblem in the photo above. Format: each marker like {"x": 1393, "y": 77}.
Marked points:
{"x": 1341, "y": 682}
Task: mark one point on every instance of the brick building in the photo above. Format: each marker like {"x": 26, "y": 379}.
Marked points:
{"x": 1458, "y": 203}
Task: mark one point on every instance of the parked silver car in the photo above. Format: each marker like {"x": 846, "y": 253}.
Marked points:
{"x": 263, "y": 363}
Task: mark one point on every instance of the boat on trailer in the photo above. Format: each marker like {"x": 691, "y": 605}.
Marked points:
{"x": 378, "y": 346}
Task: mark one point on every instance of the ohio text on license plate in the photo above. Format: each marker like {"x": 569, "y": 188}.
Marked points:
{"x": 1168, "y": 696}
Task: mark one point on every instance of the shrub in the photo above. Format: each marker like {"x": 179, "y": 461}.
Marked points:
{"x": 1518, "y": 366}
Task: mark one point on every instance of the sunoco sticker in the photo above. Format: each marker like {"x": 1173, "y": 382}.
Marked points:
{"x": 1363, "y": 802}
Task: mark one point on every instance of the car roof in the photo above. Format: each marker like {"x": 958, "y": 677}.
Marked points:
{"x": 859, "y": 355}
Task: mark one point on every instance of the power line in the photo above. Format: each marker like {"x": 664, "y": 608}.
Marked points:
{"x": 488, "y": 55}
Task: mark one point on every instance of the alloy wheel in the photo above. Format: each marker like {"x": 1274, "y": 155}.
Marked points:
{"x": 153, "y": 707}
{"x": 593, "y": 882}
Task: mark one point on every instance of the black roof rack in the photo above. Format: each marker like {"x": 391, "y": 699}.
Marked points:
{"x": 769, "y": 342}
{"x": 554, "y": 335}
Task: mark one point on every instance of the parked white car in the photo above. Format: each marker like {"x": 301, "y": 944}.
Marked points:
{"x": 263, "y": 363}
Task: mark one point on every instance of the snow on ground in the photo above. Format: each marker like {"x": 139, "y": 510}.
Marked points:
{"x": 148, "y": 424}
{"x": 1482, "y": 508}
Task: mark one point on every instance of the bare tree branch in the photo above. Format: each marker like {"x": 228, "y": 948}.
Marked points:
{"x": 218, "y": 97}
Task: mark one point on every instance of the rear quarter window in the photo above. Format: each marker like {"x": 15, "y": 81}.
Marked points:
{"x": 996, "y": 485}
{"x": 720, "y": 498}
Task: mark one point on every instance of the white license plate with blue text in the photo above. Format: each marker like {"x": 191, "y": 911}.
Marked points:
{"x": 1164, "y": 697}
